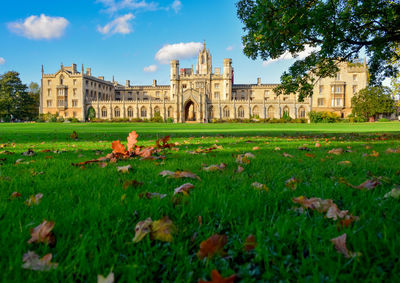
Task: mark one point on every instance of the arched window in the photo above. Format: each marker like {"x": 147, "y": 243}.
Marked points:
{"x": 286, "y": 111}
{"x": 104, "y": 112}
{"x": 211, "y": 112}
{"x": 170, "y": 111}
{"x": 202, "y": 59}
{"x": 302, "y": 112}
{"x": 117, "y": 112}
{"x": 156, "y": 110}
{"x": 241, "y": 112}
{"x": 256, "y": 112}
{"x": 143, "y": 112}
{"x": 61, "y": 80}
{"x": 130, "y": 112}
{"x": 271, "y": 112}
{"x": 226, "y": 112}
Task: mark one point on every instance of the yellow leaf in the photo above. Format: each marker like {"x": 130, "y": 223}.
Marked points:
{"x": 142, "y": 229}
{"x": 163, "y": 229}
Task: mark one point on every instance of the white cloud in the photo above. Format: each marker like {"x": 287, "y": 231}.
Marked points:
{"x": 119, "y": 25}
{"x": 178, "y": 51}
{"x": 150, "y": 69}
{"x": 287, "y": 56}
{"x": 2, "y": 61}
{"x": 43, "y": 27}
{"x": 176, "y": 6}
{"x": 113, "y": 6}
{"x": 229, "y": 48}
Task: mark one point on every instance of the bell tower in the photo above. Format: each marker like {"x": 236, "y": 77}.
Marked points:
{"x": 204, "y": 64}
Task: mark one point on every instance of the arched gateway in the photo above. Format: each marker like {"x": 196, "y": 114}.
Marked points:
{"x": 191, "y": 111}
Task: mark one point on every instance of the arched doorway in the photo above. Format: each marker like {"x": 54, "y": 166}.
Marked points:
{"x": 190, "y": 111}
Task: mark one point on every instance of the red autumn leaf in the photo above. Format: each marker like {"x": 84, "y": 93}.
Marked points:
{"x": 132, "y": 140}
{"x": 15, "y": 195}
{"x": 146, "y": 152}
{"x": 340, "y": 245}
{"x": 163, "y": 142}
{"x": 33, "y": 262}
{"x": 250, "y": 243}
{"x": 118, "y": 147}
{"x": 43, "y": 233}
{"x": 212, "y": 246}
{"x": 217, "y": 278}
{"x": 184, "y": 189}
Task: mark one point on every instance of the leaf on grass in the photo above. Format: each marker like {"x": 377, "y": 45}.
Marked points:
{"x": 368, "y": 184}
{"x": 277, "y": 148}
{"x": 217, "y": 278}
{"x": 142, "y": 229}
{"x": 340, "y": 245}
{"x": 132, "y": 140}
{"x": 344, "y": 162}
{"x": 250, "y": 243}
{"x": 149, "y": 195}
{"x": 393, "y": 150}
{"x": 372, "y": 154}
{"x": 43, "y": 233}
{"x": 29, "y": 152}
{"x": 213, "y": 168}
{"x": 184, "y": 189}
{"x": 245, "y": 158}
{"x": 259, "y": 186}
{"x": 292, "y": 183}
{"x": 256, "y": 148}
{"x": 124, "y": 169}
{"x": 15, "y": 195}
{"x": 179, "y": 174}
{"x": 117, "y": 147}
{"x": 131, "y": 183}
{"x": 309, "y": 155}
{"x": 74, "y": 135}
{"x": 34, "y": 200}
{"x": 108, "y": 279}
{"x": 212, "y": 246}
{"x": 33, "y": 262}
{"x": 394, "y": 193}
{"x": 240, "y": 169}
{"x": 317, "y": 144}
{"x": 162, "y": 229}
{"x": 336, "y": 151}
{"x": 287, "y": 155}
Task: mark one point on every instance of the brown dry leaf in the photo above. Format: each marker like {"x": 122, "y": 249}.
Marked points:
{"x": 43, "y": 233}
{"x": 184, "y": 189}
{"x": 149, "y": 195}
{"x": 336, "y": 151}
{"x": 292, "y": 183}
{"x": 250, "y": 243}
{"x": 340, "y": 245}
{"x": 108, "y": 279}
{"x": 259, "y": 186}
{"x": 212, "y": 246}
{"x": 142, "y": 229}
{"x": 393, "y": 150}
{"x": 368, "y": 184}
{"x": 240, "y": 169}
{"x": 131, "y": 183}
{"x": 34, "y": 200}
{"x": 320, "y": 205}
{"x": 74, "y": 135}
{"x": 256, "y": 148}
{"x": 15, "y": 195}
{"x": 317, "y": 144}
{"x": 146, "y": 152}
{"x": 287, "y": 155}
{"x": 347, "y": 221}
{"x": 163, "y": 229}
{"x": 33, "y": 262}
{"x": 217, "y": 278}
{"x": 344, "y": 162}
{"x": 179, "y": 174}
{"x": 310, "y": 155}
{"x": 124, "y": 169}
{"x": 103, "y": 164}
{"x": 213, "y": 168}
{"x": 132, "y": 140}
{"x": 167, "y": 173}
{"x": 118, "y": 147}
{"x": 277, "y": 148}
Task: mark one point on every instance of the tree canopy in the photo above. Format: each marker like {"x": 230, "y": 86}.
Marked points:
{"x": 373, "y": 100}
{"x": 336, "y": 30}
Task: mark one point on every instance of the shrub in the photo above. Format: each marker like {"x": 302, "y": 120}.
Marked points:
{"x": 157, "y": 118}
{"x": 60, "y": 119}
{"x": 323, "y": 117}
{"x": 383, "y": 120}
{"x": 169, "y": 120}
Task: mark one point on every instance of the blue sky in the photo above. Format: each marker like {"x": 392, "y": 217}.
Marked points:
{"x": 123, "y": 37}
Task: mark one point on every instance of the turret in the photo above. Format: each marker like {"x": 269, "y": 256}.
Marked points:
{"x": 174, "y": 79}
{"x": 204, "y": 62}
{"x": 228, "y": 68}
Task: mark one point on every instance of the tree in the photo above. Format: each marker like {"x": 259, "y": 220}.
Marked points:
{"x": 91, "y": 114}
{"x": 33, "y": 108}
{"x": 14, "y": 98}
{"x": 373, "y": 100}
{"x": 335, "y": 30}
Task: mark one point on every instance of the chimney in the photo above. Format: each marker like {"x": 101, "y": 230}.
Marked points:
{"x": 101, "y": 78}
{"x": 154, "y": 83}
{"x": 74, "y": 71}
{"x": 128, "y": 83}
{"x": 258, "y": 81}
{"x": 88, "y": 71}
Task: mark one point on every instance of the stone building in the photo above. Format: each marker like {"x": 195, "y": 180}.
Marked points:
{"x": 193, "y": 95}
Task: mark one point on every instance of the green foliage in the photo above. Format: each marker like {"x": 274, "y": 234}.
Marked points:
{"x": 323, "y": 117}
{"x": 157, "y": 118}
{"x": 383, "y": 120}
{"x": 335, "y": 30}
{"x": 15, "y": 100}
{"x": 169, "y": 120}
{"x": 371, "y": 101}
{"x": 91, "y": 113}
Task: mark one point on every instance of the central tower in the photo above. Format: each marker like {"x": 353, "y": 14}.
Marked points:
{"x": 204, "y": 65}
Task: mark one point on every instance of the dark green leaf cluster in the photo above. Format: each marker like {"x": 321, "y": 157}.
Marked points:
{"x": 372, "y": 101}
{"x": 336, "y": 30}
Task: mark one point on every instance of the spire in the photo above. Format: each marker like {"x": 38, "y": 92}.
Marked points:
{"x": 42, "y": 70}
{"x": 82, "y": 70}
{"x": 62, "y": 67}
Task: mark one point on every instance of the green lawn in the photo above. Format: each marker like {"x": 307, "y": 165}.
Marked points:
{"x": 95, "y": 217}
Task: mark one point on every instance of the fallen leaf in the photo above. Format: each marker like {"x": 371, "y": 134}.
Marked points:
{"x": 256, "y": 148}
{"x": 250, "y": 243}
{"x": 213, "y": 168}
{"x": 212, "y": 246}
{"x": 309, "y": 155}
{"x": 393, "y": 150}
{"x": 259, "y": 186}
{"x": 336, "y": 151}
{"x": 317, "y": 144}
{"x": 179, "y": 174}
{"x": 344, "y": 162}
{"x": 33, "y": 262}
{"x": 29, "y": 152}
{"x": 287, "y": 155}
{"x": 132, "y": 140}
{"x": 108, "y": 279}
{"x": 163, "y": 229}
{"x": 184, "y": 189}
{"x": 118, "y": 147}
{"x": 15, "y": 195}
{"x": 277, "y": 148}
{"x": 394, "y": 193}
{"x": 124, "y": 169}
{"x": 131, "y": 183}
{"x": 74, "y": 135}
{"x": 43, "y": 233}
{"x": 142, "y": 229}
{"x": 34, "y": 200}
{"x": 292, "y": 183}
{"x": 340, "y": 245}
{"x": 240, "y": 169}
{"x": 217, "y": 278}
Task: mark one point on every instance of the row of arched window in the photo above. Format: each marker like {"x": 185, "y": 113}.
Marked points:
{"x": 256, "y": 112}
{"x": 143, "y": 111}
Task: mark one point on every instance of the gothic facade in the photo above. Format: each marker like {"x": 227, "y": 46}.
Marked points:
{"x": 193, "y": 95}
